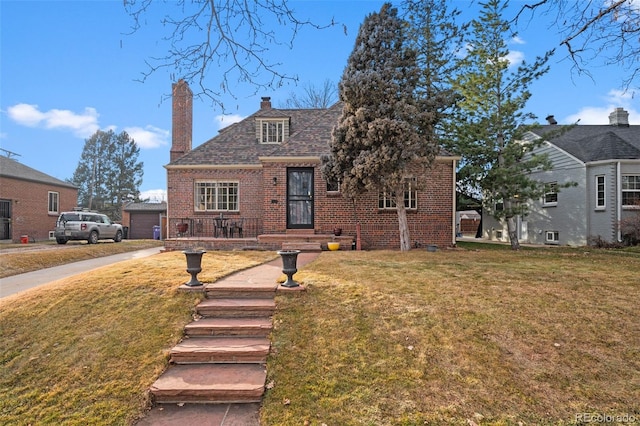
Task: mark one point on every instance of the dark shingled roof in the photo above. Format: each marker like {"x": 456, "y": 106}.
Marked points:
{"x": 12, "y": 169}
{"x": 597, "y": 142}
{"x": 309, "y": 134}
{"x": 146, "y": 207}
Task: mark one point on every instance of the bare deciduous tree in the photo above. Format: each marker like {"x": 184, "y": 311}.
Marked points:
{"x": 228, "y": 38}
{"x": 313, "y": 96}
{"x": 605, "y": 32}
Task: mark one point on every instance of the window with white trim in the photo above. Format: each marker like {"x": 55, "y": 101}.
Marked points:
{"x": 630, "y": 190}
{"x": 216, "y": 196}
{"x": 272, "y": 131}
{"x": 386, "y": 201}
{"x": 54, "y": 202}
{"x": 550, "y": 197}
{"x": 600, "y": 192}
{"x": 551, "y": 237}
{"x": 333, "y": 185}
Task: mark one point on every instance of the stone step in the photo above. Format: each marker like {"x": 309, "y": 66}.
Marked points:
{"x": 245, "y": 291}
{"x": 210, "y": 383}
{"x": 221, "y": 350}
{"x": 302, "y": 246}
{"x": 235, "y": 308}
{"x": 249, "y": 327}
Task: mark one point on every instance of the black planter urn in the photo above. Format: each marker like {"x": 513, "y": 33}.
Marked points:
{"x": 194, "y": 265}
{"x": 289, "y": 260}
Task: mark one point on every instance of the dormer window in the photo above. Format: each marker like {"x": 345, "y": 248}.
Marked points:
{"x": 273, "y": 130}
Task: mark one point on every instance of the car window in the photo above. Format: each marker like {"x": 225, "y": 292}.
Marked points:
{"x": 68, "y": 217}
{"x": 106, "y": 220}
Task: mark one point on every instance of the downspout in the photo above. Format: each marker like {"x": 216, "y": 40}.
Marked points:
{"x": 453, "y": 214}
{"x": 618, "y": 200}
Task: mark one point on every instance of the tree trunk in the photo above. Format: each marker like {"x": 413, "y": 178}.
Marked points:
{"x": 403, "y": 226}
{"x": 513, "y": 233}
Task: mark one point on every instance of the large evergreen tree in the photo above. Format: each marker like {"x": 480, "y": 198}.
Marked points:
{"x": 490, "y": 121}
{"x": 108, "y": 172}
{"x": 383, "y": 129}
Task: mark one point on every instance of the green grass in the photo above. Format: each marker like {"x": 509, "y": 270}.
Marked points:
{"x": 458, "y": 337}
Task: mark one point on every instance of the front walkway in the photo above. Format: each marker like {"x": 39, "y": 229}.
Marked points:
{"x": 223, "y": 414}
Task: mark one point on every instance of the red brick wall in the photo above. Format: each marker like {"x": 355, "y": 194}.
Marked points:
{"x": 29, "y": 206}
{"x": 182, "y": 119}
{"x": 180, "y": 193}
{"x": 431, "y": 223}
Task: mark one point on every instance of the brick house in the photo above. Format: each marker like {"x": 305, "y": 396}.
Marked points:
{"x": 264, "y": 174}
{"x": 30, "y": 201}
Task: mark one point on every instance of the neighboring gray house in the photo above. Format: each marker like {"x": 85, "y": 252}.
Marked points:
{"x": 604, "y": 162}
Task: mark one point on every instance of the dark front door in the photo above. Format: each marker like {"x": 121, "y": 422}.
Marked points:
{"x": 300, "y": 198}
{"x": 5, "y": 219}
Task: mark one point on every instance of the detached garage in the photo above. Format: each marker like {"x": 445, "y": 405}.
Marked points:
{"x": 141, "y": 218}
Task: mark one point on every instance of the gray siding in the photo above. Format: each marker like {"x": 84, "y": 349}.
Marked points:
{"x": 602, "y": 221}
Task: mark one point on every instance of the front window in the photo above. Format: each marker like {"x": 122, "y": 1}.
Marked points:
{"x": 386, "y": 201}
{"x": 630, "y": 190}
{"x": 333, "y": 185}
{"x": 216, "y": 196}
{"x": 272, "y": 132}
{"x": 54, "y": 206}
{"x": 600, "y": 192}
{"x": 550, "y": 194}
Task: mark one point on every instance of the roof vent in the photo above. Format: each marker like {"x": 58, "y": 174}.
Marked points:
{"x": 551, "y": 120}
{"x": 619, "y": 117}
{"x": 266, "y": 103}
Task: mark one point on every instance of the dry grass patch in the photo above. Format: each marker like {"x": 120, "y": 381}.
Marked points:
{"x": 84, "y": 350}
{"x": 18, "y": 259}
{"x": 458, "y": 337}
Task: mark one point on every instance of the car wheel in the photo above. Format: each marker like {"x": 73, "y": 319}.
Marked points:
{"x": 118, "y": 237}
{"x": 61, "y": 240}
{"x": 93, "y": 237}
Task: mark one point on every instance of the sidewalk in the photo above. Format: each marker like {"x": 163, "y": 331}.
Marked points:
{"x": 223, "y": 414}
{"x": 19, "y": 283}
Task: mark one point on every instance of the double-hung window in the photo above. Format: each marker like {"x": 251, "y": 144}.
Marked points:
{"x": 630, "y": 190}
{"x": 272, "y": 131}
{"x": 387, "y": 201}
{"x": 54, "y": 202}
{"x": 550, "y": 197}
{"x": 601, "y": 202}
{"x": 216, "y": 196}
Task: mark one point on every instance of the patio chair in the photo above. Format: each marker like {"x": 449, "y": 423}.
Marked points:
{"x": 236, "y": 225}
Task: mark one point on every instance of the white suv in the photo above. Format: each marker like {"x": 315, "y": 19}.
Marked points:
{"x": 84, "y": 225}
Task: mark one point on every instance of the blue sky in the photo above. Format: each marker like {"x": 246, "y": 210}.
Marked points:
{"x": 69, "y": 68}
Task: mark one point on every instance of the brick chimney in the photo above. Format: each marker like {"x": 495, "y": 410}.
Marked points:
{"x": 181, "y": 119}
{"x": 619, "y": 117}
{"x": 266, "y": 103}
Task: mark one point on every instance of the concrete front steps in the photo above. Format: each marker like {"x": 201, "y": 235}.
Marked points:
{"x": 304, "y": 240}
{"x": 223, "y": 356}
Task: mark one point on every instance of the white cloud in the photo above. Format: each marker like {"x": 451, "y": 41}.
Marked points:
{"x": 600, "y": 114}
{"x": 227, "y": 120}
{"x": 517, "y": 40}
{"x": 154, "y": 195}
{"x": 515, "y": 58}
{"x": 82, "y": 125}
{"x": 148, "y": 137}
